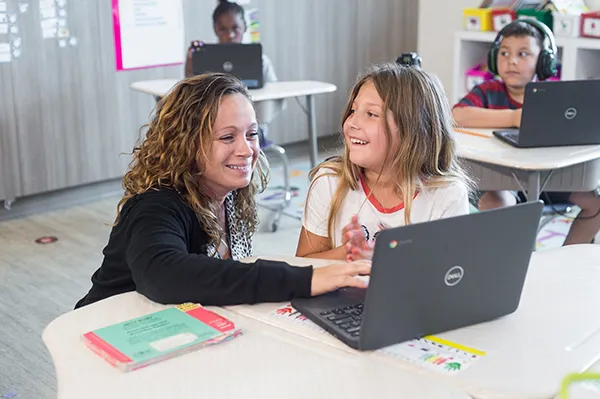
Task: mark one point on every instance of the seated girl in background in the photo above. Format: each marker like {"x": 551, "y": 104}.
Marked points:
{"x": 188, "y": 213}
{"x": 398, "y": 167}
{"x": 229, "y": 24}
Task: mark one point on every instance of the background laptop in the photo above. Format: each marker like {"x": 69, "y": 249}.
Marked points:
{"x": 241, "y": 60}
{"x": 557, "y": 113}
{"x": 432, "y": 277}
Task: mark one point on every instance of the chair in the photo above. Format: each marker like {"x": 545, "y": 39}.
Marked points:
{"x": 268, "y": 145}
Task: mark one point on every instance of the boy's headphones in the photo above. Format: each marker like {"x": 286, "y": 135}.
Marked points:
{"x": 409, "y": 59}
{"x": 546, "y": 63}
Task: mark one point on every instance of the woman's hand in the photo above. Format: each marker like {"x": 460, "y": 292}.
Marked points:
{"x": 330, "y": 278}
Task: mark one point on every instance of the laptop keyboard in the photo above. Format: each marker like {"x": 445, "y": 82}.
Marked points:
{"x": 513, "y": 134}
{"x": 345, "y": 318}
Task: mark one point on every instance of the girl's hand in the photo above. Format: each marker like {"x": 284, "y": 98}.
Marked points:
{"x": 355, "y": 241}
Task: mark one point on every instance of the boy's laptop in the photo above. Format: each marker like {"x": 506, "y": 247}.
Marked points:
{"x": 432, "y": 277}
{"x": 244, "y": 61}
{"x": 557, "y": 114}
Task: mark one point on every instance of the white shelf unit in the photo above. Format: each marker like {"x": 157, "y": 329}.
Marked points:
{"x": 579, "y": 57}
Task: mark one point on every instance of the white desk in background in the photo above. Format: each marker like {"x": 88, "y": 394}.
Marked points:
{"x": 499, "y": 166}
{"x": 264, "y": 362}
{"x": 555, "y": 331}
{"x": 270, "y": 91}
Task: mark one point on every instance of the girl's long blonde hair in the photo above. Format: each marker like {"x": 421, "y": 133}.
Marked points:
{"x": 426, "y": 155}
{"x": 176, "y": 147}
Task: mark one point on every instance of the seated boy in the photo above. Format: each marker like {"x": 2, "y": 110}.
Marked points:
{"x": 519, "y": 55}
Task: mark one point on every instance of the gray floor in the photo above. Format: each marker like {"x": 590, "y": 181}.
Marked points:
{"x": 40, "y": 282}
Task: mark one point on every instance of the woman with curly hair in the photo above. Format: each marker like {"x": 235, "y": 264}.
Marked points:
{"x": 188, "y": 212}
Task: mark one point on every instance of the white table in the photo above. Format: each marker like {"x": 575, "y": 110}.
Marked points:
{"x": 555, "y": 331}
{"x": 500, "y": 166}
{"x": 270, "y": 91}
{"x": 265, "y": 362}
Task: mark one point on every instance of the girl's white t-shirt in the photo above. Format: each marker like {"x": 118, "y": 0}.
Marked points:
{"x": 431, "y": 204}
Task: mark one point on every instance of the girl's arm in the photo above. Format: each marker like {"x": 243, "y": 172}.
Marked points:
{"x": 313, "y": 246}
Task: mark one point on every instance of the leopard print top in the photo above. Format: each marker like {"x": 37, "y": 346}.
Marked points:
{"x": 240, "y": 239}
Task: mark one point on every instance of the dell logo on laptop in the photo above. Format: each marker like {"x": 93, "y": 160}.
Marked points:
{"x": 453, "y": 276}
{"x": 228, "y": 66}
{"x": 570, "y": 113}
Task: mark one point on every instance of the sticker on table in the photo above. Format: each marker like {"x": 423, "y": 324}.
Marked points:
{"x": 593, "y": 385}
{"x": 46, "y": 240}
{"x": 435, "y": 353}
{"x": 289, "y": 314}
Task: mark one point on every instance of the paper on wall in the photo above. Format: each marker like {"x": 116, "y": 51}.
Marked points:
{"x": 49, "y": 33}
{"x": 49, "y": 23}
{"x": 5, "y": 52}
{"x": 148, "y": 33}
{"x": 48, "y": 13}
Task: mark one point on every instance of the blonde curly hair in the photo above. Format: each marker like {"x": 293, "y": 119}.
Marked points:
{"x": 175, "y": 149}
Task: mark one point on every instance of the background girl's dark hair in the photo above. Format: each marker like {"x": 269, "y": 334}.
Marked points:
{"x": 226, "y": 7}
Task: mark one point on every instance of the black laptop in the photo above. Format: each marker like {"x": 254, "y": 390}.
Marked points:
{"x": 432, "y": 277}
{"x": 558, "y": 113}
{"x": 244, "y": 61}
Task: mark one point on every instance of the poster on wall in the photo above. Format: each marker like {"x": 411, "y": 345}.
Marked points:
{"x": 252, "y": 34}
{"x": 148, "y": 33}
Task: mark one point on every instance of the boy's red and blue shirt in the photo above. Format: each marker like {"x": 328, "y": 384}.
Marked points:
{"x": 490, "y": 94}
